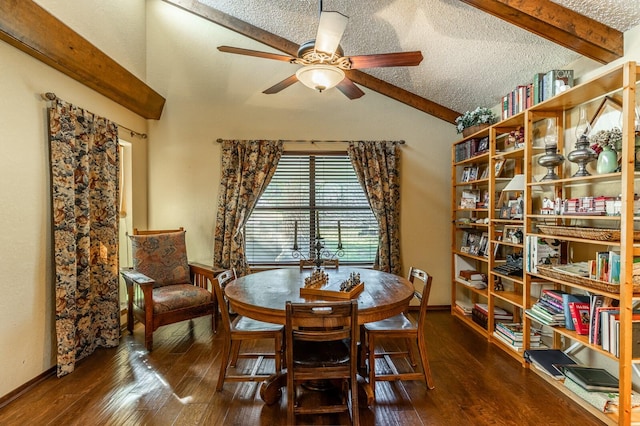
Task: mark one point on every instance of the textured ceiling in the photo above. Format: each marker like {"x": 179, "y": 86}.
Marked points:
{"x": 470, "y": 58}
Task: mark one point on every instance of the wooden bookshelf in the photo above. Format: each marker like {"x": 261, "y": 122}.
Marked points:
{"x": 520, "y": 293}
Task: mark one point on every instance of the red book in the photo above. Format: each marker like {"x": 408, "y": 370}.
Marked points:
{"x": 580, "y": 316}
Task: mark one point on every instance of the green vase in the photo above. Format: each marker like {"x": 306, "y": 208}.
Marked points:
{"x": 607, "y": 161}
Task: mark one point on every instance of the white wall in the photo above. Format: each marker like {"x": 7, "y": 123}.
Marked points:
{"x": 27, "y": 336}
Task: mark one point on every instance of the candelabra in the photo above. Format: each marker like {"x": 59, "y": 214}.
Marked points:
{"x": 318, "y": 253}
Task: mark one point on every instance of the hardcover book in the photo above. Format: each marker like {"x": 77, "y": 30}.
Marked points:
{"x": 580, "y": 316}
{"x": 591, "y": 378}
{"x": 566, "y": 298}
{"x": 547, "y": 359}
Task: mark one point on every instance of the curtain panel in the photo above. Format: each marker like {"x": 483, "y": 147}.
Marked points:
{"x": 377, "y": 165}
{"x": 84, "y": 190}
{"x": 247, "y": 169}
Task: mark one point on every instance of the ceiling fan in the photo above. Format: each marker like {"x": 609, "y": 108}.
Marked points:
{"x": 323, "y": 61}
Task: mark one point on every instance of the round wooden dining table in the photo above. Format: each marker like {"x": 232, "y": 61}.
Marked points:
{"x": 263, "y": 295}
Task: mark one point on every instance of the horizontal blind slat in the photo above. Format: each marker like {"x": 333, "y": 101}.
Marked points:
{"x": 269, "y": 231}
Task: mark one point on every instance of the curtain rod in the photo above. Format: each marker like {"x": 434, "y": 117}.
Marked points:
{"x": 50, "y": 96}
{"x": 401, "y": 142}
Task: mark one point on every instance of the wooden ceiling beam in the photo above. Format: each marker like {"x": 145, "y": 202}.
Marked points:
{"x": 560, "y": 25}
{"x": 30, "y": 28}
{"x": 286, "y": 46}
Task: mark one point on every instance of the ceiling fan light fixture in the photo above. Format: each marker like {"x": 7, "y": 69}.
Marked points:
{"x": 320, "y": 77}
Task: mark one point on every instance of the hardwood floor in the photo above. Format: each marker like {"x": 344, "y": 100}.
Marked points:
{"x": 476, "y": 384}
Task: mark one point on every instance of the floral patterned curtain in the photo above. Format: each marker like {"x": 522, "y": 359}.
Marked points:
{"x": 247, "y": 169}
{"x": 84, "y": 191}
{"x": 377, "y": 165}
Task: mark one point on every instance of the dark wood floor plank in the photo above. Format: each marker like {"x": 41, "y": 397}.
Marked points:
{"x": 476, "y": 384}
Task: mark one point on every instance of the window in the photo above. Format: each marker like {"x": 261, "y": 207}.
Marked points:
{"x": 303, "y": 185}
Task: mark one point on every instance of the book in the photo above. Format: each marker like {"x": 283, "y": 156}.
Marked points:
{"x": 513, "y": 332}
{"x": 580, "y": 316}
{"x": 595, "y": 301}
{"x": 566, "y": 298}
{"x": 547, "y": 360}
{"x": 591, "y": 378}
{"x": 604, "y": 328}
{"x": 515, "y": 345}
{"x": 598, "y": 322}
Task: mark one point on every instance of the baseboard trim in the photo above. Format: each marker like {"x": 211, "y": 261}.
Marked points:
{"x": 5, "y": 400}
{"x": 431, "y": 308}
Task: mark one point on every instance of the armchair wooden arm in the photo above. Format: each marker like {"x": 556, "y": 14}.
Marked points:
{"x": 141, "y": 305}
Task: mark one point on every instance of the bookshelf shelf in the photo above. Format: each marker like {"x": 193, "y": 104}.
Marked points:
{"x": 512, "y": 297}
{"x": 511, "y": 159}
{"x": 575, "y": 239}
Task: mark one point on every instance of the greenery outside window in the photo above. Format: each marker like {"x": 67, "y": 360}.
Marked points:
{"x": 304, "y": 184}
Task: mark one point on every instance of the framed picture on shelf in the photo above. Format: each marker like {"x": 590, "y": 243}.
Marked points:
{"x": 483, "y": 145}
{"x": 516, "y": 207}
{"x": 474, "y": 243}
{"x": 505, "y": 212}
{"x": 473, "y": 173}
{"x": 512, "y": 234}
{"x": 498, "y": 167}
{"x": 484, "y": 245}
{"x": 465, "y": 174}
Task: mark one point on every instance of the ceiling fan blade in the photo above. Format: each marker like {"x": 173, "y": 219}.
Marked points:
{"x": 247, "y": 52}
{"x": 400, "y": 59}
{"x": 282, "y": 85}
{"x": 330, "y": 30}
{"x": 349, "y": 89}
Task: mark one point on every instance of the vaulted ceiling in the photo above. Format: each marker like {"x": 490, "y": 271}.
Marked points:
{"x": 475, "y": 51}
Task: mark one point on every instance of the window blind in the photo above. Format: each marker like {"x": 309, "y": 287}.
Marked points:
{"x": 301, "y": 186}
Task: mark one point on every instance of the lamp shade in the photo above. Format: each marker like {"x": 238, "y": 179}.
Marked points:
{"x": 515, "y": 184}
{"x": 320, "y": 77}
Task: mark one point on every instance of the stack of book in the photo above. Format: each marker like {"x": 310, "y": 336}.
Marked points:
{"x": 511, "y": 335}
{"x": 480, "y": 314}
{"x": 473, "y": 279}
{"x": 464, "y": 307}
{"x": 548, "y": 310}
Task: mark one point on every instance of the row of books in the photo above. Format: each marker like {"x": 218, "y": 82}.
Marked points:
{"x": 471, "y": 148}
{"x": 480, "y": 314}
{"x": 511, "y": 335}
{"x": 544, "y": 86}
{"x": 595, "y": 316}
{"x": 605, "y": 267}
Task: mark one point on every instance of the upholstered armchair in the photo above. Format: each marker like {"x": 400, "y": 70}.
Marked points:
{"x": 163, "y": 288}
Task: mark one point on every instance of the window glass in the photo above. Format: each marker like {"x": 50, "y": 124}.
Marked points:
{"x": 302, "y": 186}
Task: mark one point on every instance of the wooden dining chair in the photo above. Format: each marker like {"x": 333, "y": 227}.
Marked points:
{"x": 163, "y": 287}
{"x": 402, "y": 327}
{"x": 327, "y": 263}
{"x": 242, "y": 329}
{"x": 321, "y": 344}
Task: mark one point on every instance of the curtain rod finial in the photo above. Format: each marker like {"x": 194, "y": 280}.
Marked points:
{"x": 49, "y": 96}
